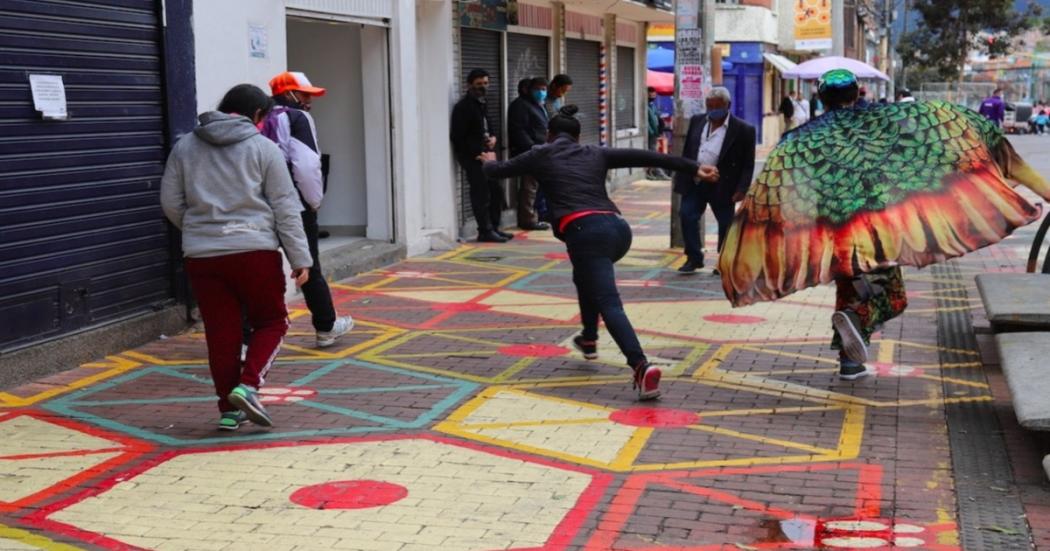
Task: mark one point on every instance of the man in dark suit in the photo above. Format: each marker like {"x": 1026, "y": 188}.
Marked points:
{"x": 471, "y": 134}
{"x": 527, "y": 127}
{"x": 720, "y": 139}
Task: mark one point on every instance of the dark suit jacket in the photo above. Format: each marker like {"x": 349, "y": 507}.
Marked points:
{"x": 736, "y": 163}
{"x": 526, "y": 125}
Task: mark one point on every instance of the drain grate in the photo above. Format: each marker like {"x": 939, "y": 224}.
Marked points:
{"x": 988, "y": 517}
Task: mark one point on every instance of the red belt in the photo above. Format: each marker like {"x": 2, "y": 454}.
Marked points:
{"x": 565, "y": 220}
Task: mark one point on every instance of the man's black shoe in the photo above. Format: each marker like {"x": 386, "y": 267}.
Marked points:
{"x": 491, "y": 237}
{"x": 690, "y": 267}
{"x": 504, "y": 235}
{"x": 850, "y": 370}
{"x": 538, "y": 226}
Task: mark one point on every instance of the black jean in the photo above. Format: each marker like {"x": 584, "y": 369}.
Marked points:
{"x": 486, "y": 196}
{"x": 315, "y": 291}
{"x": 692, "y": 208}
{"x": 595, "y": 243}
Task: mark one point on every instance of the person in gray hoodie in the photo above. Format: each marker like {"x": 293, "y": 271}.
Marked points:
{"x": 227, "y": 188}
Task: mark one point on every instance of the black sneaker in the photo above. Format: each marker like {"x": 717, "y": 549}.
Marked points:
{"x": 505, "y": 235}
{"x": 690, "y": 267}
{"x": 851, "y": 371}
{"x": 847, "y": 324}
{"x": 589, "y": 349}
{"x": 491, "y": 237}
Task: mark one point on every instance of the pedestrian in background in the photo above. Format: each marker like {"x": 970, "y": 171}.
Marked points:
{"x": 656, "y": 129}
{"x": 526, "y": 128}
{"x": 993, "y": 108}
{"x": 801, "y": 115}
{"x": 227, "y": 188}
{"x": 292, "y": 128}
{"x": 787, "y": 111}
{"x": 472, "y": 134}
{"x": 715, "y": 138}
{"x": 559, "y": 87}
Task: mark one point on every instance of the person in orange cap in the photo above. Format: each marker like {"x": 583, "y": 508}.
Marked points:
{"x": 292, "y": 128}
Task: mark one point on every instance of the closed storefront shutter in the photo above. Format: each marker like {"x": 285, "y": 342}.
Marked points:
{"x": 82, "y": 237}
{"x": 625, "y": 88}
{"x": 583, "y": 68}
{"x": 527, "y": 57}
{"x": 481, "y": 49}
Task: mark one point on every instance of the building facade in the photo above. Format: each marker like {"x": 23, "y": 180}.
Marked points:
{"x": 82, "y": 236}
{"x": 601, "y": 45}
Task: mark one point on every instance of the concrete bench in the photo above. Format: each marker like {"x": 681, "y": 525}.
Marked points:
{"x": 1025, "y": 359}
{"x": 1016, "y": 302}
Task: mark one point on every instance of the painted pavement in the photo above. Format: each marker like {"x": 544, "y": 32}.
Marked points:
{"x": 457, "y": 416}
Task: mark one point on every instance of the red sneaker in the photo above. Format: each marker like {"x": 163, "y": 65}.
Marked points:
{"x": 647, "y": 381}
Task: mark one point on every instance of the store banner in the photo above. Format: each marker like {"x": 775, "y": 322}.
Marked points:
{"x": 812, "y": 24}
{"x": 484, "y": 14}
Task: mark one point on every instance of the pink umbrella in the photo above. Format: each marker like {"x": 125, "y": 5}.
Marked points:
{"x": 814, "y": 68}
{"x": 663, "y": 82}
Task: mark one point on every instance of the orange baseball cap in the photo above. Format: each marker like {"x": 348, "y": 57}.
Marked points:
{"x": 294, "y": 81}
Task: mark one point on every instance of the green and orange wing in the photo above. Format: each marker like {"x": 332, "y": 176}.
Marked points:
{"x": 883, "y": 185}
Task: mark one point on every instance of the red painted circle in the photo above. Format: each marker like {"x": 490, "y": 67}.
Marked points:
{"x": 460, "y": 307}
{"x": 556, "y": 256}
{"x": 349, "y": 494}
{"x": 654, "y": 417}
{"x": 533, "y": 350}
{"x": 733, "y": 319}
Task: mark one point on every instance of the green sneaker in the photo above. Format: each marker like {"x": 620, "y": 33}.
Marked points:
{"x": 244, "y": 398}
{"x": 232, "y": 420}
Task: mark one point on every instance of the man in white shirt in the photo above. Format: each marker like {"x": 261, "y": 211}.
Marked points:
{"x": 801, "y": 114}
{"x": 727, "y": 142}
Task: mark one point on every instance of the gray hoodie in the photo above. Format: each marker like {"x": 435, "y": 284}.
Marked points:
{"x": 227, "y": 187}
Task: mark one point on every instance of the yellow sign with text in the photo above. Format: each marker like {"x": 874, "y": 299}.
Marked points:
{"x": 812, "y": 24}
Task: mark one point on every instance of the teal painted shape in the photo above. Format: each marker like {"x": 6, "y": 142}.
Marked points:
{"x": 78, "y": 405}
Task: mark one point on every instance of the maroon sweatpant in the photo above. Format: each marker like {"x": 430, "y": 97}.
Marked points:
{"x": 252, "y": 282}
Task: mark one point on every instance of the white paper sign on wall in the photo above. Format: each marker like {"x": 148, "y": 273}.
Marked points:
{"x": 258, "y": 42}
{"x": 49, "y": 96}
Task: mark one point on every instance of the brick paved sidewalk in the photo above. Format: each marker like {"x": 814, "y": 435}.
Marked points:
{"x": 457, "y": 416}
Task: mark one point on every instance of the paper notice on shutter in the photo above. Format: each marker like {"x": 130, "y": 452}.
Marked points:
{"x": 49, "y": 96}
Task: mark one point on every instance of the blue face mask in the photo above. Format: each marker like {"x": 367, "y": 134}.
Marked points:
{"x": 718, "y": 114}
{"x": 539, "y": 95}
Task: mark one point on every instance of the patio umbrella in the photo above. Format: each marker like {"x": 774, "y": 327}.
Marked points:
{"x": 660, "y": 57}
{"x": 663, "y": 82}
{"x": 814, "y": 68}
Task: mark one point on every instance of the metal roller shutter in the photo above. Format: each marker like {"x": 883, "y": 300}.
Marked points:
{"x": 583, "y": 57}
{"x": 481, "y": 49}
{"x": 625, "y": 89}
{"x": 528, "y": 56}
{"x": 82, "y": 238}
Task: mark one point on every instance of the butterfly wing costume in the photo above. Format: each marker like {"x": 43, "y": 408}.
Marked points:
{"x": 873, "y": 187}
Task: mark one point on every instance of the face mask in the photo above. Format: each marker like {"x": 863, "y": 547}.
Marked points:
{"x": 479, "y": 91}
{"x": 718, "y": 114}
{"x": 539, "y": 95}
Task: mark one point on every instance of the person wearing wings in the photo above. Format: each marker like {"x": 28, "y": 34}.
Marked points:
{"x": 853, "y": 195}
{"x": 572, "y": 177}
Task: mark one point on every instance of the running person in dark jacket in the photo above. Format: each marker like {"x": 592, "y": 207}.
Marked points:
{"x": 573, "y": 178}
